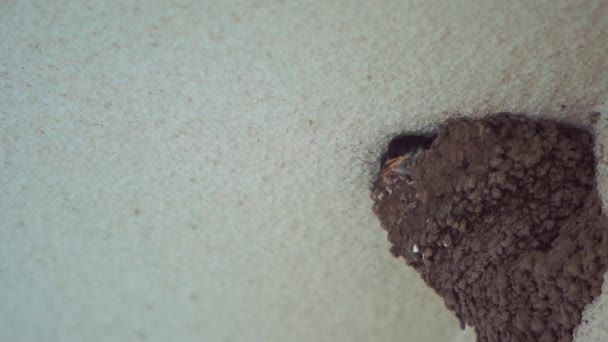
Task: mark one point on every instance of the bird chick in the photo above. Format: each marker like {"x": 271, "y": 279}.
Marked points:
{"x": 399, "y": 167}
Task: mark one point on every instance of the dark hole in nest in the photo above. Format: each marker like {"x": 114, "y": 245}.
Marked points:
{"x": 405, "y": 143}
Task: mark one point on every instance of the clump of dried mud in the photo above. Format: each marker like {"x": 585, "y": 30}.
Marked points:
{"x": 501, "y": 217}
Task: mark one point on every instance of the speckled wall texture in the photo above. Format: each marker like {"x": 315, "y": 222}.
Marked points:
{"x": 187, "y": 171}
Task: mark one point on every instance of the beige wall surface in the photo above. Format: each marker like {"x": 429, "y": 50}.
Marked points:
{"x": 199, "y": 170}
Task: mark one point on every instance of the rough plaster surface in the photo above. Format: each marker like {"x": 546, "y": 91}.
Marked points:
{"x": 183, "y": 171}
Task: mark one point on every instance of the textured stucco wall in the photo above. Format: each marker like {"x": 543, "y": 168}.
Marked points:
{"x": 175, "y": 170}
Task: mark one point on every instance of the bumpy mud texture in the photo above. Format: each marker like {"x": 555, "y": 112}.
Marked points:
{"x": 501, "y": 217}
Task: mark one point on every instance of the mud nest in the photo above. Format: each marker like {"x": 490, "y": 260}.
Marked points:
{"x": 501, "y": 217}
